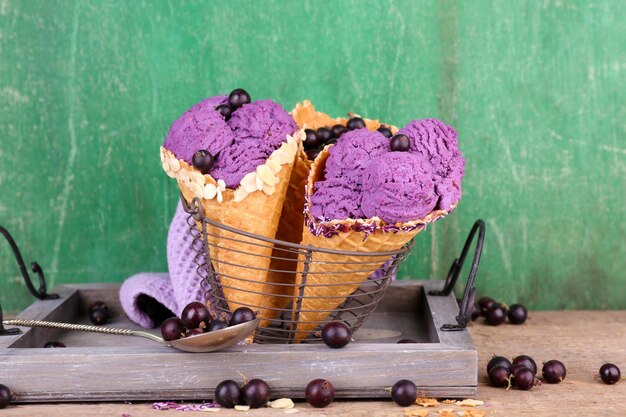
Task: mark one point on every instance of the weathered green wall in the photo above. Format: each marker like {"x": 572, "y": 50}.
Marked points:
{"x": 536, "y": 89}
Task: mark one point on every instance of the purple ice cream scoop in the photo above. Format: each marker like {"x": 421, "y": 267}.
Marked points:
{"x": 336, "y": 199}
{"x": 200, "y": 127}
{"x": 353, "y": 152}
{"x": 398, "y": 187}
{"x": 259, "y": 128}
{"x": 438, "y": 144}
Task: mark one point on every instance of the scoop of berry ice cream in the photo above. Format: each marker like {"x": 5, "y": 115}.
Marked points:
{"x": 437, "y": 143}
{"x": 398, "y": 187}
{"x": 336, "y": 199}
{"x": 353, "y": 152}
{"x": 199, "y": 128}
{"x": 259, "y": 129}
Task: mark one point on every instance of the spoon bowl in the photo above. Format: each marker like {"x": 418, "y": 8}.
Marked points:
{"x": 205, "y": 342}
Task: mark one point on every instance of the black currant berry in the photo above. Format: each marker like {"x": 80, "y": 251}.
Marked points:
{"x": 526, "y": 361}
{"x": 499, "y": 376}
{"x": 194, "y": 315}
{"x": 404, "y": 393}
{"x": 228, "y": 394}
{"x": 203, "y": 161}
{"x": 496, "y": 315}
{"x": 173, "y": 328}
{"x": 553, "y": 371}
{"x": 336, "y": 334}
{"x": 338, "y": 130}
{"x": 399, "y": 143}
{"x": 225, "y": 111}
{"x": 256, "y": 393}
{"x": 355, "y": 123}
{"x": 238, "y": 98}
{"x": 610, "y": 373}
{"x": 242, "y": 315}
{"x": 385, "y": 131}
{"x": 517, "y": 314}
{"x": 311, "y": 141}
{"x": 498, "y": 361}
{"x": 319, "y": 393}
{"x": 484, "y": 304}
{"x": 98, "y": 315}
{"x": 524, "y": 379}
{"x": 54, "y": 344}
{"x": 324, "y": 135}
{"x": 311, "y": 154}
{"x": 5, "y": 396}
{"x": 217, "y": 325}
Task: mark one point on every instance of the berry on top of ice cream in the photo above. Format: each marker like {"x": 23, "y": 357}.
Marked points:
{"x": 200, "y": 127}
{"x": 398, "y": 187}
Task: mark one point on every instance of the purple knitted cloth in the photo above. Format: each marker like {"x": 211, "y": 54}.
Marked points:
{"x": 174, "y": 291}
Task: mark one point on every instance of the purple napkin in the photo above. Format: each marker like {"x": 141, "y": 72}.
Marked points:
{"x": 174, "y": 291}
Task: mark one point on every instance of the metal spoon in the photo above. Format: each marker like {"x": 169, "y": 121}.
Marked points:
{"x": 205, "y": 342}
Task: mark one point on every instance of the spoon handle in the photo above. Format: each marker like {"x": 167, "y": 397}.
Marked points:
{"x": 81, "y": 328}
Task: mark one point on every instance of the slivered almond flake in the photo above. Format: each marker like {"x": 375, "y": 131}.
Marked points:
{"x": 242, "y": 407}
{"x": 259, "y": 183}
{"x": 282, "y": 403}
{"x": 240, "y": 194}
{"x": 291, "y": 411}
{"x": 196, "y": 189}
{"x": 197, "y": 177}
{"x": 274, "y": 165}
{"x": 265, "y": 173}
{"x": 469, "y": 403}
{"x": 174, "y": 164}
{"x": 449, "y": 401}
{"x": 269, "y": 189}
{"x": 210, "y": 191}
{"x": 447, "y": 412}
{"x": 427, "y": 402}
{"x": 248, "y": 182}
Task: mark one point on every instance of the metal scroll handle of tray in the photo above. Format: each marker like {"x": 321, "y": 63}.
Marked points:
{"x": 356, "y": 308}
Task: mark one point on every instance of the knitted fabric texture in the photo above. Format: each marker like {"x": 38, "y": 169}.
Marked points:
{"x": 174, "y": 290}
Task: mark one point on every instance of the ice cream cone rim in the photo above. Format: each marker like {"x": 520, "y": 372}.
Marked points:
{"x": 263, "y": 177}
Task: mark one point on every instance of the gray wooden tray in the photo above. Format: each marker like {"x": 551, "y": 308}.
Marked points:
{"x": 104, "y": 367}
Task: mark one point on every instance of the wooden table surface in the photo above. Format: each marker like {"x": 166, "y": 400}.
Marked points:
{"x": 583, "y": 341}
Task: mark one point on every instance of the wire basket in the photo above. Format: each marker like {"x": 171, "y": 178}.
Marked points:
{"x": 283, "y": 325}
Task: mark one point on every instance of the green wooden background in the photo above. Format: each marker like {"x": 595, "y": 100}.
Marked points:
{"x": 536, "y": 89}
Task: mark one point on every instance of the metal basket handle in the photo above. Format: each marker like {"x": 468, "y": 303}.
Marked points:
{"x": 41, "y": 293}
{"x": 469, "y": 294}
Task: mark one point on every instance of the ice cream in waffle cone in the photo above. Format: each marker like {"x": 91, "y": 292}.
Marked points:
{"x": 363, "y": 198}
{"x": 244, "y": 189}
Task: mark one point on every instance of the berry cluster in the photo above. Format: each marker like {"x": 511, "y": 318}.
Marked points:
{"x": 203, "y": 160}
{"x": 521, "y": 372}
{"x": 256, "y": 393}
{"x": 496, "y": 313}
{"x": 317, "y": 139}
{"x": 195, "y": 319}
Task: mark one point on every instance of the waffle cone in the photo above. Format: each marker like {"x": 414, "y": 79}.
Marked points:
{"x": 242, "y": 262}
{"x": 325, "y": 282}
{"x": 283, "y": 264}
{"x": 305, "y": 115}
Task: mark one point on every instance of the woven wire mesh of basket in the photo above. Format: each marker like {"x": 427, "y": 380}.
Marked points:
{"x": 283, "y": 328}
